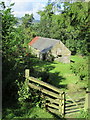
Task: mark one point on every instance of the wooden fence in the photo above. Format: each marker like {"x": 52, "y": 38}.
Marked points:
{"x": 56, "y": 101}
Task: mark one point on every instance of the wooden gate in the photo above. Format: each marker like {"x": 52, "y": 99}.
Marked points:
{"x": 54, "y": 97}
{"x": 73, "y": 106}
{"x": 56, "y": 101}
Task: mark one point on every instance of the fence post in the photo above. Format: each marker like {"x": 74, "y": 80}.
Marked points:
{"x": 27, "y": 73}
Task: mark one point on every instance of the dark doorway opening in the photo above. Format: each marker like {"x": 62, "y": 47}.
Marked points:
{"x": 59, "y": 55}
{"x": 43, "y": 56}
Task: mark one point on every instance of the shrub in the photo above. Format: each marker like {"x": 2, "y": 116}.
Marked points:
{"x": 28, "y": 95}
{"x": 84, "y": 114}
{"x": 80, "y": 69}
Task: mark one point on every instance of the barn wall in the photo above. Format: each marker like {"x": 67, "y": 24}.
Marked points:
{"x": 61, "y": 53}
{"x": 60, "y": 49}
{"x": 63, "y": 59}
{"x": 34, "y": 51}
{"x": 56, "y": 50}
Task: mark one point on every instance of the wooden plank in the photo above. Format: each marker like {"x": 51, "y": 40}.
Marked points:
{"x": 71, "y": 111}
{"x": 52, "y": 100}
{"x": 80, "y": 98}
{"x": 43, "y": 90}
{"x": 52, "y": 105}
{"x": 70, "y": 104}
{"x": 48, "y": 98}
{"x": 80, "y": 102}
{"x": 67, "y": 115}
{"x": 45, "y": 84}
{"x": 77, "y": 99}
{"x": 68, "y": 100}
{"x": 73, "y": 107}
{"x": 53, "y": 111}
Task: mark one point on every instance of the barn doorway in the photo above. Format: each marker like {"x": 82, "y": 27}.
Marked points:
{"x": 44, "y": 56}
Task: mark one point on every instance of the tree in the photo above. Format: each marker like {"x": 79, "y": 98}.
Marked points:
{"x": 15, "y": 54}
{"x": 77, "y": 17}
{"x": 27, "y": 20}
{"x": 8, "y": 22}
{"x": 69, "y": 26}
{"x": 46, "y": 20}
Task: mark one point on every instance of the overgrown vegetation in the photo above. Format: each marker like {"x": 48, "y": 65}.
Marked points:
{"x": 71, "y": 26}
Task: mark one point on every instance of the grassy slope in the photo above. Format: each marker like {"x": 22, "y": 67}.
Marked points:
{"x": 64, "y": 70}
{"x": 35, "y": 112}
{"x": 60, "y": 76}
{"x": 60, "y": 73}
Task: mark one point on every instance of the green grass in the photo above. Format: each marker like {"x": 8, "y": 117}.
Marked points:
{"x": 60, "y": 74}
{"x": 78, "y": 58}
{"x": 24, "y": 112}
{"x": 36, "y": 112}
{"x": 62, "y": 70}
{"x": 81, "y": 114}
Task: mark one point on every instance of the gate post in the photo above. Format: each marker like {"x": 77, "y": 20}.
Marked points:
{"x": 60, "y": 103}
{"x": 63, "y": 103}
{"x": 26, "y": 73}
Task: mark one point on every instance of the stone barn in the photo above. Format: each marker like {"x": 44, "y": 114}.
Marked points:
{"x": 50, "y": 49}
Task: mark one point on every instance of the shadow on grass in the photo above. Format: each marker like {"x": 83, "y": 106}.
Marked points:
{"x": 14, "y": 70}
{"x": 41, "y": 70}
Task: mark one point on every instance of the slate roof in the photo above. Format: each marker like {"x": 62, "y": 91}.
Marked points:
{"x": 43, "y": 44}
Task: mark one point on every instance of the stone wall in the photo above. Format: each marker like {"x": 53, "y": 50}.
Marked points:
{"x": 61, "y": 53}
{"x": 34, "y": 51}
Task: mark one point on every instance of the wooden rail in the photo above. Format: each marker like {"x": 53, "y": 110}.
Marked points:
{"x": 43, "y": 90}
{"x": 44, "y": 84}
